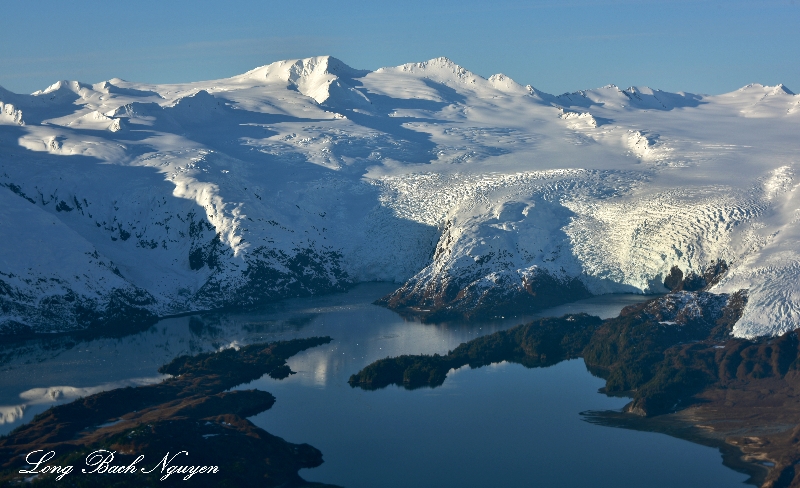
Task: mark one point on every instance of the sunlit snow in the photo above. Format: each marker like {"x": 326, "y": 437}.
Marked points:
{"x": 108, "y": 186}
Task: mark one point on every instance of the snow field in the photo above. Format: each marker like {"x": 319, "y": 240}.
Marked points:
{"x": 319, "y": 175}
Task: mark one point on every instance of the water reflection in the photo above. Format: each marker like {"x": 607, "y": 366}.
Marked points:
{"x": 502, "y": 425}
{"x": 66, "y": 368}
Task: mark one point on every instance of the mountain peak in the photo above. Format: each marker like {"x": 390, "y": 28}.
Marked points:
{"x": 442, "y": 61}
{"x": 779, "y": 89}
{"x": 63, "y": 86}
{"x": 441, "y": 69}
{"x": 506, "y": 84}
{"x": 293, "y": 70}
{"x": 322, "y": 78}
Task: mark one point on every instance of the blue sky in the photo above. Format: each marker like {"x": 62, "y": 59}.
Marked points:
{"x": 557, "y": 46}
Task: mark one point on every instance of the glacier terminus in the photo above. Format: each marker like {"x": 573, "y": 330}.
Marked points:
{"x": 122, "y": 202}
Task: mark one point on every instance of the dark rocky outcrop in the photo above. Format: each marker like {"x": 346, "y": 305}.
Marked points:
{"x": 662, "y": 351}
{"x": 273, "y": 275}
{"x": 543, "y": 342}
{"x": 467, "y": 298}
{"x": 633, "y": 350}
{"x": 675, "y": 356}
{"x": 496, "y": 278}
{"x": 676, "y": 281}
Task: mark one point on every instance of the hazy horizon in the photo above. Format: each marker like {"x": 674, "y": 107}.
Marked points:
{"x": 699, "y": 46}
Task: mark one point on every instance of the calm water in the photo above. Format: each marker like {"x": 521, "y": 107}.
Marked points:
{"x": 502, "y": 425}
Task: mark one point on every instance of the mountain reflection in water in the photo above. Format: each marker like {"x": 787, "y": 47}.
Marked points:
{"x": 498, "y": 426}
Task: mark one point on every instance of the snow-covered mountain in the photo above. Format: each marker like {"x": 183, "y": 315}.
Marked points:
{"x": 124, "y": 201}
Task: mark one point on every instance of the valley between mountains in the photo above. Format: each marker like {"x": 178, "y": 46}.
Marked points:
{"x": 122, "y": 202}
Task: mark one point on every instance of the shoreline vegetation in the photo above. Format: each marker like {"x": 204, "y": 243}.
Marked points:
{"x": 194, "y": 410}
{"x": 674, "y": 355}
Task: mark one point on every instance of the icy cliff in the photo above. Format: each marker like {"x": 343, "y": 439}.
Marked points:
{"x": 126, "y": 201}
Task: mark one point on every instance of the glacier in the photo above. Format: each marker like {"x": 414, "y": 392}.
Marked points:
{"x": 122, "y": 202}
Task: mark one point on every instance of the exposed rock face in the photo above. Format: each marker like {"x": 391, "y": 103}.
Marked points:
{"x": 498, "y": 294}
{"x": 271, "y": 275}
{"x": 629, "y": 351}
{"x": 491, "y": 272}
{"x": 675, "y": 281}
{"x": 56, "y": 276}
{"x": 632, "y": 351}
{"x": 121, "y": 310}
{"x": 675, "y": 355}
{"x": 306, "y": 175}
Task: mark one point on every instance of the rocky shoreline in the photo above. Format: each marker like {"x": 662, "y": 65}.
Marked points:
{"x": 450, "y": 298}
{"x": 674, "y": 355}
{"x": 194, "y": 407}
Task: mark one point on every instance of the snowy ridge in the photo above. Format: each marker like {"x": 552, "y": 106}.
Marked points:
{"x": 323, "y": 78}
{"x": 305, "y": 176}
